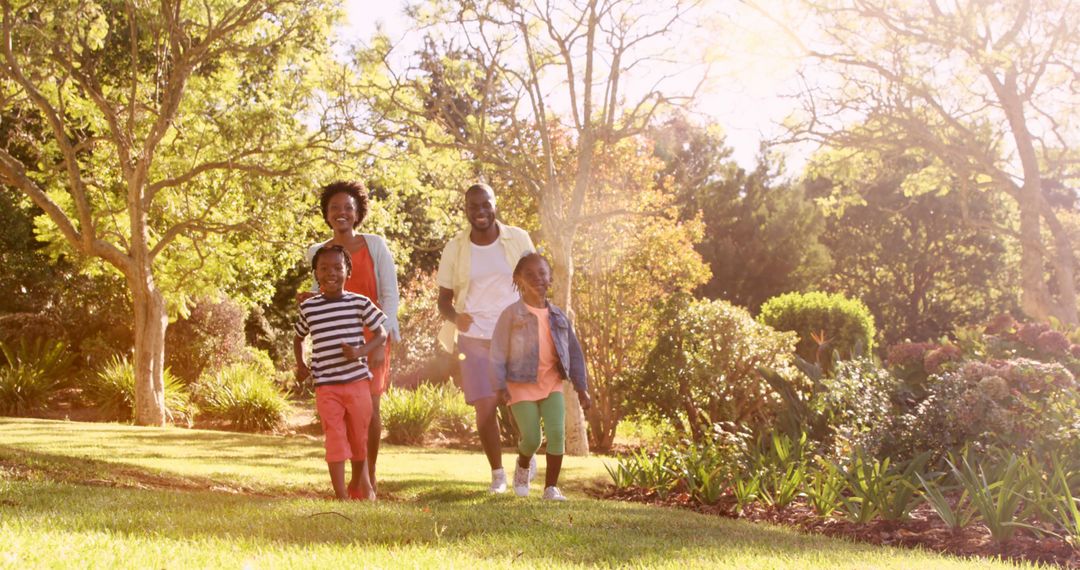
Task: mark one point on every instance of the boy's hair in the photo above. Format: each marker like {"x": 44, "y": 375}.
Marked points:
{"x": 532, "y": 255}
{"x": 328, "y": 249}
{"x": 354, "y": 189}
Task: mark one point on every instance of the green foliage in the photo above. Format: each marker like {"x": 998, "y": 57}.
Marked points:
{"x": 897, "y": 244}
{"x": 210, "y": 338}
{"x": 879, "y": 488}
{"x": 24, "y": 388}
{"x": 762, "y": 235}
{"x": 1062, "y": 504}
{"x": 49, "y": 358}
{"x": 704, "y": 369}
{"x": 825, "y": 323}
{"x": 780, "y": 461}
{"x": 627, "y": 267}
{"x": 955, "y": 515}
{"x": 858, "y": 400}
{"x": 999, "y": 490}
{"x": 824, "y": 488}
{"x": 243, "y": 394}
{"x": 112, "y": 389}
{"x": 454, "y": 418}
{"x": 408, "y": 414}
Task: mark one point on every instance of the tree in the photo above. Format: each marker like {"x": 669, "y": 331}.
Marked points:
{"x": 566, "y": 67}
{"x": 627, "y": 269}
{"x": 762, "y": 236}
{"x": 899, "y": 249}
{"x": 171, "y": 144}
{"x": 988, "y": 90}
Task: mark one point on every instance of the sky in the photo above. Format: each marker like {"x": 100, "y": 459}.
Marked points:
{"x": 752, "y": 68}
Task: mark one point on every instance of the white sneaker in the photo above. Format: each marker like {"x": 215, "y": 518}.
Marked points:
{"x": 521, "y": 481}
{"x": 532, "y": 468}
{"x": 498, "y": 481}
{"x": 553, "y": 494}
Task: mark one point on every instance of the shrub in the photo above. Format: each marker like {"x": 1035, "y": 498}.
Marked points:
{"x": 23, "y": 389}
{"x": 859, "y": 402}
{"x": 112, "y": 389}
{"x": 704, "y": 369}
{"x": 454, "y": 417}
{"x": 244, "y": 395}
{"x": 1017, "y": 403}
{"x": 408, "y": 414}
{"x": 49, "y": 358}
{"x": 824, "y": 322}
{"x": 209, "y": 339}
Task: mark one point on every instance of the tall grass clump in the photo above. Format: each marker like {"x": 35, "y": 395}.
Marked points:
{"x": 112, "y": 390}
{"x": 24, "y": 389}
{"x": 407, "y": 415}
{"x": 243, "y": 395}
{"x": 454, "y": 417}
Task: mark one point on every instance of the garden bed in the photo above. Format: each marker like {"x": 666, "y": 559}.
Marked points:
{"x": 922, "y": 530}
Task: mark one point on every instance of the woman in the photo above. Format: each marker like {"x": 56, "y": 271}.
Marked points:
{"x": 374, "y": 275}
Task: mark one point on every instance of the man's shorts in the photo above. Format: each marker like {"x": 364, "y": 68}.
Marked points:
{"x": 477, "y": 375}
{"x": 345, "y": 410}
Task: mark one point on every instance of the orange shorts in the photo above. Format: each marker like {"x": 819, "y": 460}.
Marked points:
{"x": 345, "y": 410}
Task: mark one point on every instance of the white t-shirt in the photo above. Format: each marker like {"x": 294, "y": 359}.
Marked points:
{"x": 491, "y": 288}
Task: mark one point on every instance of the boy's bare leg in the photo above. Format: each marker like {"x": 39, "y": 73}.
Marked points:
{"x": 487, "y": 426}
{"x": 360, "y": 480}
{"x": 374, "y": 438}
{"x": 337, "y": 479}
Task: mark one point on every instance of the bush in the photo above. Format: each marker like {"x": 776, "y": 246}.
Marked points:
{"x": 244, "y": 395}
{"x": 48, "y": 357}
{"x": 408, "y": 414}
{"x": 23, "y": 388}
{"x": 112, "y": 390}
{"x": 454, "y": 417}
{"x": 824, "y": 322}
{"x": 704, "y": 369}
{"x": 209, "y": 339}
{"x": 858, "y": 401}
{"x": 1018, "y": 404}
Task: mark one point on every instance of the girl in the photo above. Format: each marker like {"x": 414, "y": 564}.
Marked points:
{"x": 533, "y": 349}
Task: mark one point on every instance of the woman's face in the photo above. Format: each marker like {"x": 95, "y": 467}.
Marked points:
{"x": 341, "y": 212}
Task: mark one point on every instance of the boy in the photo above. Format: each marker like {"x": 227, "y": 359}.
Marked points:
{"x": 335, "y": 319}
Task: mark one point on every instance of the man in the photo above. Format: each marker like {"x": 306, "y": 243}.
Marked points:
{"x": 475, "y": 285}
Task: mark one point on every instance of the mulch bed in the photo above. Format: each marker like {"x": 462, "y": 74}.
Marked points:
{"x": 923, "y": 529}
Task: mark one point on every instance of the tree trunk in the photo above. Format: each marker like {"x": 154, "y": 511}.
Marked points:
{"x": 561, "y": 256}
{"x": 1035, "y": 298}
{"x": 151, "y": 320}
{"x": 1064, "y": 268}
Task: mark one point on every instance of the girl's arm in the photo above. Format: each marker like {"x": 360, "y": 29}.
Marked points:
{"x": 577, "y": 371}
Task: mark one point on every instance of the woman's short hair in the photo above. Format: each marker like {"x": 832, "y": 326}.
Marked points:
{"x": 354, "y": 189}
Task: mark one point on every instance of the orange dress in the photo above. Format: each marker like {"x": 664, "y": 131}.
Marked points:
{"x": 362, "y": 281}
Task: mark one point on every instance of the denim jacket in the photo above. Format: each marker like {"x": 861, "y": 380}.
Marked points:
{"x": 515, "y": 347}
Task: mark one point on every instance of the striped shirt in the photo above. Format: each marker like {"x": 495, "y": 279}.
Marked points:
{"x": 331, "y": 322}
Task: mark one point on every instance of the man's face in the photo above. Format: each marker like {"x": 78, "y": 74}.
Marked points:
{"x": 330, "y": 272}
{"x": 480, "y": 209}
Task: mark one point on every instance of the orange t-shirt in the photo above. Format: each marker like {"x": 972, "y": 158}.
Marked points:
{"x": 547, "y": 371}
{"x": 362, "y": 281}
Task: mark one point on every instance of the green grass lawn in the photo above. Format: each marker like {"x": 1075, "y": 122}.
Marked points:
{"x": 106, "y": 495}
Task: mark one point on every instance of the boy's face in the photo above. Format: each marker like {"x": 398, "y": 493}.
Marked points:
{"x": 331, "y": 273}
{"x": 534, "y": 279}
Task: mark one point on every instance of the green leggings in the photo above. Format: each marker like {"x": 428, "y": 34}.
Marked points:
{"x": 528, "y": 415}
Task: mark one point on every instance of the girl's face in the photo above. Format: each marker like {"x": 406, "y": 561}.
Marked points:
{"x": 534, "y": 279}
{"x": 341, "y": 212}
